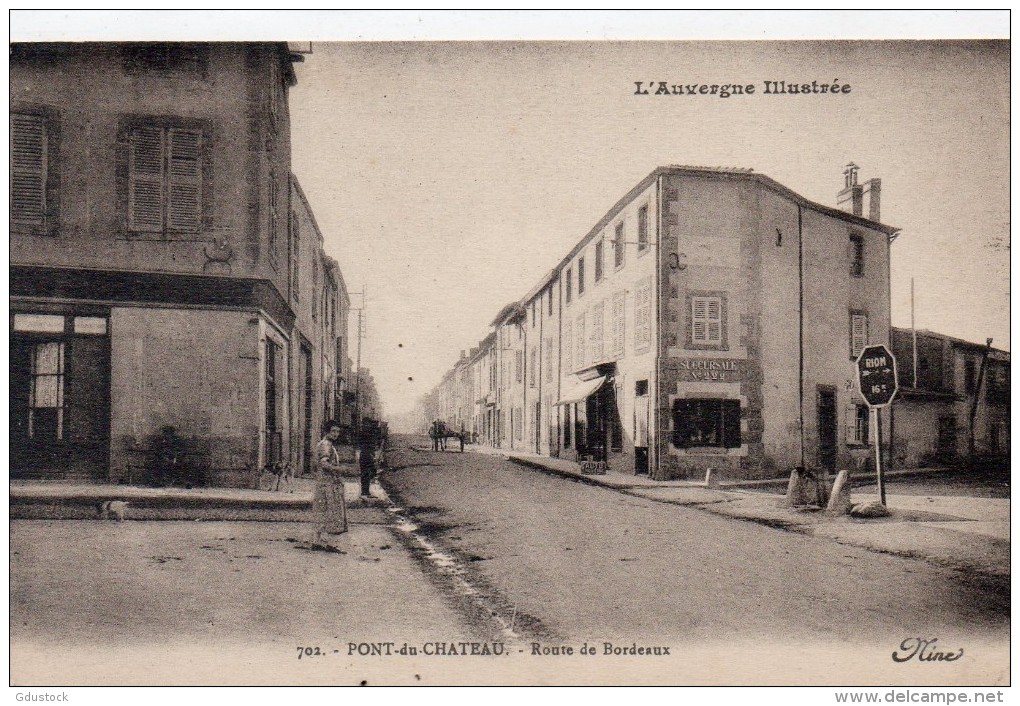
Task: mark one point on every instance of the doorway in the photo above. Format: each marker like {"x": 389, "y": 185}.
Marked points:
{"x": 827, "y": 430}
{"x": 60, "y": 397}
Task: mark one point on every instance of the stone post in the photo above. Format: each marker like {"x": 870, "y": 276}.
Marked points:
{"x": 839, "y": 500}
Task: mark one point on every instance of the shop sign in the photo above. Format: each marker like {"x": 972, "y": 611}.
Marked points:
{"x": 709, "y": 370}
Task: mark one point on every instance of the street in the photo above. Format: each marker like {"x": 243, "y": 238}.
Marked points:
{"x": 213, "y": 603}
{"x": 472, "y": 548}
{"x": 575, "y": 561}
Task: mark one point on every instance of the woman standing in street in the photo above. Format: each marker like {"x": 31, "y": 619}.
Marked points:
{"x": 329, "y": 500}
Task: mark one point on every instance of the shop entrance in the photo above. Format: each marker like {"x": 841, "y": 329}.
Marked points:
{"x": 60, "y": 396}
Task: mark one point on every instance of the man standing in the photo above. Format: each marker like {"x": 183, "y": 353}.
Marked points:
{"x": 367, "y": 443}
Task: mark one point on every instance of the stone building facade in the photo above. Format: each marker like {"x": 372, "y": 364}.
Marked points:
{"x": 166, "y": 273}
{"x": 710, "y": 319}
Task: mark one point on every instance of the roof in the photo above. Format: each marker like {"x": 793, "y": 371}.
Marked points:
{"x": 959, "y": 342}
{"x": 550, "y": 277}
{"x": 514, "y": 308}
{"x": 731, "y": 173}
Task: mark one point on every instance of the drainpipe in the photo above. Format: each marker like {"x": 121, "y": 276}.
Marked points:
{"x": 800, "y": 324}
{"x": 655, "y": 424}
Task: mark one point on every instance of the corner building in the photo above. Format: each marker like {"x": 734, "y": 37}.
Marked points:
{"x": 165, "y": 268}
{"x": 711, "y": 319}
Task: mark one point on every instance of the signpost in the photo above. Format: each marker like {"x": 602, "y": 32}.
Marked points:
{"x": 877, "y": 381}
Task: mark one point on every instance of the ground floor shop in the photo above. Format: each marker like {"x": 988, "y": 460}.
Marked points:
{"x": 208, "y": 391}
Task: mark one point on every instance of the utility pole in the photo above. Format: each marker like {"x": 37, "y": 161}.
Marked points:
{"x": 913, "y": 332}
{"x": 974, "y": 400}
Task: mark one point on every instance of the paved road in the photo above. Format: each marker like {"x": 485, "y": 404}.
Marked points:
{"x": 574, "y": 561}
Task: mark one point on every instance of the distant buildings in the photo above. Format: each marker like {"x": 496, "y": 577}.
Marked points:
{"x": 166, "y": 268}
{"x": 957, "y": 406}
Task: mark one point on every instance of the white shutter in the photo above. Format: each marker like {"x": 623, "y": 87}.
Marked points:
{"x": 850, "y": 422}
{"x": 185, "y": 185}
{"x": 28, "y": 169}
{"x": 568, "y": 346}
{"x": 579, "y": 342}
{"x": 145, "y": 194}
{"x": 619, "y": 315}
{"x": 706, "y": 320}
{"x": 642, "y": 314}
{"x": 597, "y": 322}
{"x": 858, "y": 334}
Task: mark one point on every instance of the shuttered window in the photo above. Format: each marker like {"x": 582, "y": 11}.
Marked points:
{"x": 28, "y": 169}
{"x": 858, "y": 333}
{"x": 857, "y": 424}
{"x": 598, "y": 317}
{"x": 706, "y": 320}
{"x": 579, "y": 341}
{"x": 642, "y": 315}
{"x": 619, "y": 315}
{"x": 568, "y": 345}
{"x": 165, "y": 174}
{"x": 642, "y": 229}
{"x": 548, "y": 360}
{"x": 618, "y": 244}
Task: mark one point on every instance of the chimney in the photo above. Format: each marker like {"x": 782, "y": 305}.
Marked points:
{"x": 861, "y": 200}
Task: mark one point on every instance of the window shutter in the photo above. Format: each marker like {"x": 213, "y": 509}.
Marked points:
{"x": 568, "y": 345}
{"x": 185, "y": 180}
{"x": 548, "y": 360}
{"x": 579, "y": 342}
{"x": 850, "y": 420}
{"x": 597, "y": 321}
{"x": 619, "y": 316}
{"x": 642, "y": 314}
{"x": 28, "y": 169}
{"x": 858, "y": 334}
{"x": 706, "y": 320}
{"x": 145, "y": 197}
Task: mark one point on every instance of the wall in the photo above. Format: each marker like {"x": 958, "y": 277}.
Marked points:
{"x": 634, "y": 361}
{"x": 196, "y": 370}
{"x": 709, "y": 226}
{"x": 744, "y": 241}
{"x": 94, "y": 97}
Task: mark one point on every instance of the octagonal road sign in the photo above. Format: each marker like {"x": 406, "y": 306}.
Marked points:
{"x": 876, "y": 375}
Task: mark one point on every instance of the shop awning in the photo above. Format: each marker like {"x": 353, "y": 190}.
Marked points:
{"x": 581, "y": 391}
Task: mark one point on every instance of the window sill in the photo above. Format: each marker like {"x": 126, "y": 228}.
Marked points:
{"x": 164, "y": 236}
{"x": 705, "y": 450}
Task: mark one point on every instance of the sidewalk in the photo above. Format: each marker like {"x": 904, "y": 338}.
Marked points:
{"x": 82, "y": 501}
{"x": 964, "y": 533}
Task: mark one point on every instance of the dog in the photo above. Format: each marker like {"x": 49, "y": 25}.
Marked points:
{"x": 113, "y": 509}
{"x": 282, "y": 471}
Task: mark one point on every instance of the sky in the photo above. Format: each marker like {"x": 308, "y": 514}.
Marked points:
{"x": 448, "y": 178}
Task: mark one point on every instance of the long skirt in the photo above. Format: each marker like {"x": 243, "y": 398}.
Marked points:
{"x": 330, "y": 505}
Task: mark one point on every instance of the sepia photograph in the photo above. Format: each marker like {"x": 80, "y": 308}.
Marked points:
{"x": 561, "y": 354}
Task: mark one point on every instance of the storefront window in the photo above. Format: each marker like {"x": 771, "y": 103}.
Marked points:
{"x": 707, "y": 423}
